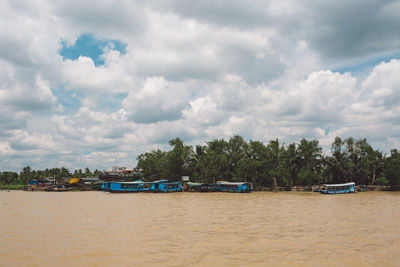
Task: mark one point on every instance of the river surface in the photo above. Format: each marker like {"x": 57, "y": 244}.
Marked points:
{"x": 199, "y": 229}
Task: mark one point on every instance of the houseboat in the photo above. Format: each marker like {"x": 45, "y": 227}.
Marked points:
{"x": 338, "y": 188}
{"x": 141, "y": 186}
{"x": 165, "y": 187}
{"x": 199, "y": 187}
{"x": 237, "y": 187}
{"x": 127, "y": 187}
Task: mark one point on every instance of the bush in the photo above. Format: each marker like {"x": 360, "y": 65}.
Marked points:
{"x": 11, "y": 186}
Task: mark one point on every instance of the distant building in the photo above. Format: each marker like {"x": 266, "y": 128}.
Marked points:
{"x": 120, "y": 174}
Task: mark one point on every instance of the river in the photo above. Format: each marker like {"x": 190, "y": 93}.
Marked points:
{"x": 199, "y": 229}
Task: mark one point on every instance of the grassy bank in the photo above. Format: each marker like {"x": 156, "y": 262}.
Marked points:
{"x": 11, "y": 186}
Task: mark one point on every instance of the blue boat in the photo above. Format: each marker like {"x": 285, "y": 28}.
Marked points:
{"x": 141, "y": 186}
{"x": 165, "y": 187}
{"x": 338, "y": 188}
{"x": 127, "y": 187}
{"x": 236, "y": 187}
{"x": 199, "y": 187}
{"x": 104, "y": 186}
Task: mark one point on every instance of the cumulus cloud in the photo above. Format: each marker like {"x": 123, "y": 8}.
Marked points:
{"x": 157, "y": 100}
{"x": 382, "y": 87}
{"x": 82, "y": 75}
{"x": 199, "y": 71}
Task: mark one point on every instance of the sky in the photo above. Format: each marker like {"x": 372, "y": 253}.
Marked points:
{"x": 95, "y": 83}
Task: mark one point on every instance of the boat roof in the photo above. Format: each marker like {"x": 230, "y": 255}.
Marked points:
{"x": 232, "y": 183}
{"x": 161, "y": 181}
{"x": 133, "y": 182}
{"x": 193, "y": 183}
{"x": 174, "y": 182}
{"x": 351, "y": 183}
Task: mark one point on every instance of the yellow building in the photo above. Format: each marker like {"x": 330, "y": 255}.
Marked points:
{"x": 74, "y": 180}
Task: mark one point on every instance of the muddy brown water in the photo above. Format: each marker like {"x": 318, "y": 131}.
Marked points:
{"x": 199, "y": 229}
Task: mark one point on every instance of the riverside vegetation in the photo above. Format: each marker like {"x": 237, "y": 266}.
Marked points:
{"x": 15, "y": 181}
{"x": 262, "y": 164}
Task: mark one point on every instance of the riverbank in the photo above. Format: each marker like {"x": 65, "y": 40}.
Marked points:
{"x": 300, "y": 188}
{"x": 11, "y": 187}
{"x": 297, "y": 188}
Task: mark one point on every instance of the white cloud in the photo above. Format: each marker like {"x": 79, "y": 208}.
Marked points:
{"x": 199, "y": 71}
{"x": 82, "y": 75}
{"x": 157, "y": 100}
{"x": 382, "y": 87}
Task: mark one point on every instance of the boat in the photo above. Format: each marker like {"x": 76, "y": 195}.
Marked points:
{"x": 127, "y": 187}
{"x": 236, "y": 187}
{"x": 165, "y": 187}
{"x": 60, "y": 188}
{"x": 141, "y": 186}
{"x": 338, "y": 188}
{"x": 198, "y": 187}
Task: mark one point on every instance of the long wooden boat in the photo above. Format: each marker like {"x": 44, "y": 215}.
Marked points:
{"x": 127, "y": 187}
{"x": 199, "y": 187}
{"x": 338, "y": 188}
{"x": 166, "y": 187}
{"x": 141, "y": 186}
{"x": 234, "y": 187}
{"x": 60, "y": 188}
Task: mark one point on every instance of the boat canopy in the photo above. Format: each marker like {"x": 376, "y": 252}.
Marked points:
{"x": 334, "y": 185}
{"x": 193, "y": 184}
{"x": 174, "y": 183}
{"x": 131, "y": 182}
{"x": 231, "y": 183}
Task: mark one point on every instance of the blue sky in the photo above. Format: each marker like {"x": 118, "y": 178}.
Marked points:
{"x": 87, "y": 45}
{"x": 94, "y": 83}
{"x": 367, "y": 65}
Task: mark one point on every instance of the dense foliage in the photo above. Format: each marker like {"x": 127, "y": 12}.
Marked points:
{"x": 300, "y": 163}
{"x": 27, "y": 174}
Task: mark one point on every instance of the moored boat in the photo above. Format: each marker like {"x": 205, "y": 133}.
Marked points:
{"x": 165, "y": 187}
{"x": 198, "y": 187}
{"x": 236, "y": 187}
{"x": 141, "y": 186}
{"x": 338, "y": 188}
{"x": 127, "y": 187}
{"x": 60, "y": 188}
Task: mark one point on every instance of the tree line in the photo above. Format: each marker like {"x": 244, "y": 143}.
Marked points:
{"x": 27, "y": 174}
{"x": 302, "y": 163}
{"x": 236, "y": 159}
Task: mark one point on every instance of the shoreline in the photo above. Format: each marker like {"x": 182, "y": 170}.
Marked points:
{"x": 298, "y": 188}
{"x": 301, "y": 188}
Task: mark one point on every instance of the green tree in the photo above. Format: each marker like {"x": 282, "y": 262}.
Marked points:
{"x": 237, "y": 151}
{"x": 153, "y": 164}
{"x": 25, "y": 175}
{"x": 178, "y": 160}
{"x": 308, "y": 161}
{"x": 88, "y": 173}
{"x": 8, "y": 178}
{"x": 392, "y": 168}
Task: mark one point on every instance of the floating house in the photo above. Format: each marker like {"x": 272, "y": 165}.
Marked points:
{"x": 127, "y": 187}
{"x": 167, "y": 187}
{"x": 234, "y": 187}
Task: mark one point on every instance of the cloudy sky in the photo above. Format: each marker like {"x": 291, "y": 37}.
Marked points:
{"x": 97, "y": 82}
